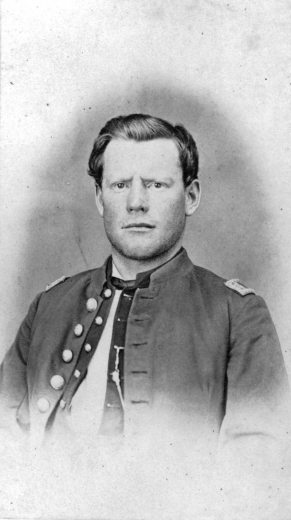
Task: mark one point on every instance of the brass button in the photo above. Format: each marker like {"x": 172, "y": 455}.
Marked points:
{"x": 107, "y": 293}
{"x": 91, "y": 305}
{"x": 77, "y": 373}
{"x": 43, "y": 405}
{"x": 78, "y": 329}
{"x": 67, "y": 355}
{"x": 62, "y": 403}
{"x": 88, "y": 347}
{"x": 98, "y": 320}
{"x": 57, "y": 382}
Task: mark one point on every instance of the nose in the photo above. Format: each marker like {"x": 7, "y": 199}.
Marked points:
{"x": 137, "y": 199}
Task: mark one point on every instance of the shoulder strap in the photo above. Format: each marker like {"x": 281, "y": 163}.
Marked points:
{"x": 56, "y": 282}
{"x": 238, "y": 287}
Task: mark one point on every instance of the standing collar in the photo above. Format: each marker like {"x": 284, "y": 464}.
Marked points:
{"x": 142, "y": 279}
{"x": 179, "y": 265}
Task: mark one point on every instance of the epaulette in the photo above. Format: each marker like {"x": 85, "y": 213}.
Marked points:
{"x": 56, "y": 282}
{"x": 238, "y": 287}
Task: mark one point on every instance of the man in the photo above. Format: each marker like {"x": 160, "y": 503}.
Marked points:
{"x": 149, "y": 346}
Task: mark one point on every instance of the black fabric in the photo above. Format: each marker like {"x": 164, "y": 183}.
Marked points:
{"x": 113, "y": 416}
{"x": 122, "y": 284}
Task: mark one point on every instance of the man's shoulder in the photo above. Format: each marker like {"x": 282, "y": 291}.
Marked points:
{"x": 76, "y": 282}
{"x": 232, "y": 295}
{"x": 70, "y": 280}
{"x": 213, "y": 282}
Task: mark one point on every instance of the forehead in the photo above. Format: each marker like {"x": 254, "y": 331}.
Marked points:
{"x": 145, "y": 156}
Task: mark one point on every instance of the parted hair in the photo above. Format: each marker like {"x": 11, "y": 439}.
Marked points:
{"x": 141, "y": 127}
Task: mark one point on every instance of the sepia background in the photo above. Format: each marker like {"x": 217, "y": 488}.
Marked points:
{"x": 220, "y": 68}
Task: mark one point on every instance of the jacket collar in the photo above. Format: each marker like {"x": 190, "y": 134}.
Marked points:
{"x": 178, "y": 266}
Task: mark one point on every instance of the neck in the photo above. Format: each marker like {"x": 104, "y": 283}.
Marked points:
{"x": 129, "y": 268}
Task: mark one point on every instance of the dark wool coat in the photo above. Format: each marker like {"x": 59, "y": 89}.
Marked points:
{"x": 201, "y": 359}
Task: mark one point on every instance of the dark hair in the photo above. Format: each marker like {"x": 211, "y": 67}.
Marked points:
{"x": 140, "y": 127}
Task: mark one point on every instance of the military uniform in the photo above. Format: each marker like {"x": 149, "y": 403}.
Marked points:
{"x": 201, "y": 357}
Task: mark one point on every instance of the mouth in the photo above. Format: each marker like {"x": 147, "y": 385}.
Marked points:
{"x": 139, "y": 225}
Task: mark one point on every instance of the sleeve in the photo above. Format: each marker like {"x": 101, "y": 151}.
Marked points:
{"x": 13, "y": 380}
{"x": 254, "y": 452}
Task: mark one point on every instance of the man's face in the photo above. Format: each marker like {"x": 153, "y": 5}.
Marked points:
{"x": 143, "y": 199}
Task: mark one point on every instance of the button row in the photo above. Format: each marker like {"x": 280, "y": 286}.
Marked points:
{"x": 44, "y": 405}
{"x": 57, "y": 382}
{"x": 91, "y": 306}
{"x": 78, "y": 330}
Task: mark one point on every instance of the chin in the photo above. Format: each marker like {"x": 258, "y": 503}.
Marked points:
{"x": 140, "y": 253}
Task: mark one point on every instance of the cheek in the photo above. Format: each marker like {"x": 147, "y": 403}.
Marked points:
{"x": 112, "y": 216}
{"x": 173, "y": 210}
{"x": 114, "y": 204}
{"x": 110, "y": 208}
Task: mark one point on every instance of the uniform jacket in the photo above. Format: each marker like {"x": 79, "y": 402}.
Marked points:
{"x": 201, "y": 359}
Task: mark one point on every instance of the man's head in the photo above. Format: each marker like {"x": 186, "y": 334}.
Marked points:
{"x": 140, "y": 127}
{"x": 145, "y": 172}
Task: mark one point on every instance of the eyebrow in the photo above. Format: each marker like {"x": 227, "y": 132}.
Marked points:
{"x": 152, "y": 178}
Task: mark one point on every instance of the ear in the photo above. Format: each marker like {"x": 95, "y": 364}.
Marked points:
{"x": 99, "y": 200}
{"x": 192, "y": 197}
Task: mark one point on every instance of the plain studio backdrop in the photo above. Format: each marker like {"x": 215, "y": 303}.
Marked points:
{"x": 220, "y": 68}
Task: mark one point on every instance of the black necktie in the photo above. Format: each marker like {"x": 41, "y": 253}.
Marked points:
{"x": 122, "y": 284}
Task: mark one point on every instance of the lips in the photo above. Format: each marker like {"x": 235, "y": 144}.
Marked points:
{"x": 139, "y": 225}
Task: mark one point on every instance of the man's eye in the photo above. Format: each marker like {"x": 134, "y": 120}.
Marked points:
{"x": 119, "y": 186}
{"x": 156, "y": 185}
